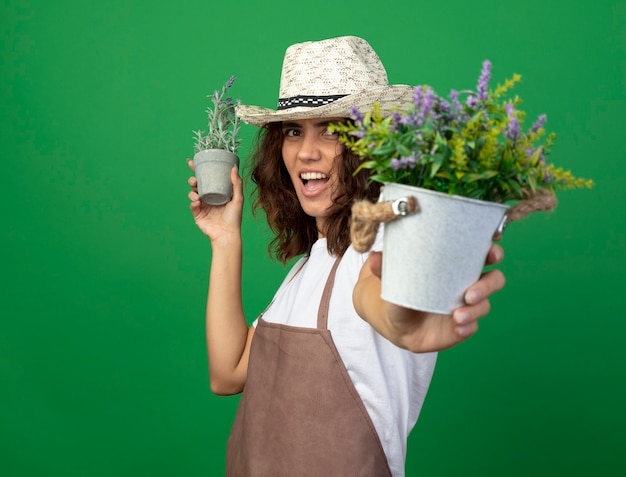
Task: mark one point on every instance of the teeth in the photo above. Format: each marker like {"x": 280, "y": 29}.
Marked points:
{"x": 307, "y": 176}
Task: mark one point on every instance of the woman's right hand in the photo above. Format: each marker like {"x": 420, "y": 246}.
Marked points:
{"x": 217, "y": 221}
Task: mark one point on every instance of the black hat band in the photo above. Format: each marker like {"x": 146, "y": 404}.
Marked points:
{"x": 307, "y": 101}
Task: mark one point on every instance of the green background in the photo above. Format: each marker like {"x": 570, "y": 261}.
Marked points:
{"x": 102, "y": 355}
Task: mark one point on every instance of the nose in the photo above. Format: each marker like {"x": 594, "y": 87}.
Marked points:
{"x": 309, "y": 148}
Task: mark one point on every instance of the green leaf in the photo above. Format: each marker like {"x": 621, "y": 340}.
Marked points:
{"x": 515, "y": 186}
{"x": 535, "y": 157}
{"x": 437, "y": 161}
{"x": 403, "y": 151}
{"x": 480, "y": 142}
{"x": 383, "y": 150}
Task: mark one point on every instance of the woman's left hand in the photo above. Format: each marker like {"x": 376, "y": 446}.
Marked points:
{"x": 420, "y": 331}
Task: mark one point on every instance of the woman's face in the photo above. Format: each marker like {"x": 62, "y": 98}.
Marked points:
{"x": 311, "y": 156}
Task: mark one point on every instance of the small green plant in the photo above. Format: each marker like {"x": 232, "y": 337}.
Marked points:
{"x": 222, "y": 121}
{"x": 473, "y": 148}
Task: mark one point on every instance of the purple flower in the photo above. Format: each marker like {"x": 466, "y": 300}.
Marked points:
{"x": 395, "y": 164}
{"x": 472, "y": 101}
{"x": 230, "y": 82}
{"x": 539, "y": 123}
{"x": 417, "y": 96}
{"x": 404, "y": 163}
{"x": 483, "y": 80}
{"x": 456, "y": 108}
{"x": 444, "y": 106}
{"x": 424, "y": 99}
{"x": 356, "y": 114}
{"x": 441, "y": 111}
{"x": 512, "y": 129}
{"x": 428, "y": 102}
{"x": 409, "y": 120}
{"x": 547, "y": 177}
{"x": 454, "y": 97}
{"x": 396, "y": 120}
{"x": 409, "y": 160}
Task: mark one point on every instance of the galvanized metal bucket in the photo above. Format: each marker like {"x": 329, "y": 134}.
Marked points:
{"x": 432, "y": 256}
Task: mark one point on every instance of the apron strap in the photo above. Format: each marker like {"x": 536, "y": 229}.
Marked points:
{"x": 322, "y": 312}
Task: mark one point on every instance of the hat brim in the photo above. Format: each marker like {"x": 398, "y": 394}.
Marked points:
{"x": 388, "y": 98}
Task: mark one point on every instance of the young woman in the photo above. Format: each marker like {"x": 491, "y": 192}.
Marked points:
{"x": 333, "y": 377}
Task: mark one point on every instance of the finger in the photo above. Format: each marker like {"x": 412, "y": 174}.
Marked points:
{"x": 193, "y": 196}
{"x": 465, "y": 331}
{"x": 190, "y": 164}
{"x": 495, "y": 255}
{"x": 489, "y": 283}
{"x": 193, "y": 182}
{"x": 466, "y": 315}
{"x": 195, "y": 207}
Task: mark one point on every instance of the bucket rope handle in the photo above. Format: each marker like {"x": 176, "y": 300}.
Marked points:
{"x": 367, "y": 216}
{"x": 541, "y": 201}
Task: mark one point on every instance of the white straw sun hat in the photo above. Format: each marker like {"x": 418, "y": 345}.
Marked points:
{"x": 325, "y": 79}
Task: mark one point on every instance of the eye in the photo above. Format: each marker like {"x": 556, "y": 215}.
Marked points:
{"x": 291, "y": 132}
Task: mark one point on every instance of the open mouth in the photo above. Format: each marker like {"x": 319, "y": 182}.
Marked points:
{"x": 313, "y": 180}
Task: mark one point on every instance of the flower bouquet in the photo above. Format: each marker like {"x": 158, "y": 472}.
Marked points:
{"x": 465, "y": 166}
{"x": 216, "y": 150}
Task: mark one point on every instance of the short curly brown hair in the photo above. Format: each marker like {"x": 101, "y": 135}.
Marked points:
{"x": 295, "y": 232}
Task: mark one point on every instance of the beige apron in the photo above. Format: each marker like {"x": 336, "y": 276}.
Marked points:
{"x": 300, "y": 414}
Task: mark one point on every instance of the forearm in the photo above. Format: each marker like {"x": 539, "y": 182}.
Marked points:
{"x": 398, "y": 327}
{"x": 226, "y": 327}
{"x": 420, "y": 331}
